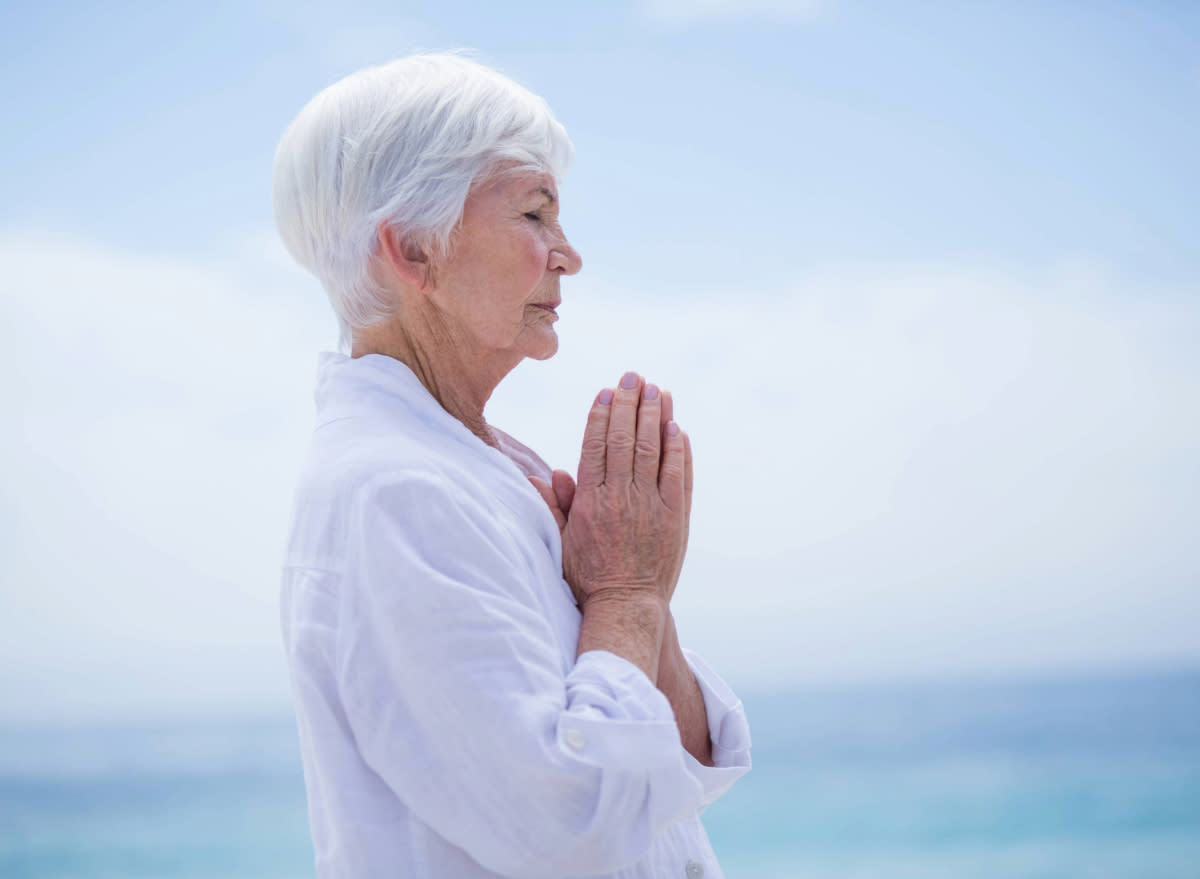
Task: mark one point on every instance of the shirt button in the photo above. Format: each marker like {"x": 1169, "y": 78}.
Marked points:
{"x": 694, "y": 870}
{"x": 575, "y": 739}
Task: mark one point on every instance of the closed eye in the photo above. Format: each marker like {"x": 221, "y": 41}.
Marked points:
{"x": 533, "y": 216}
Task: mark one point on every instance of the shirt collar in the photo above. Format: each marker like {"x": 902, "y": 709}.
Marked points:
{"x": 348, "y": 386}
{"x": 376, "y": 384}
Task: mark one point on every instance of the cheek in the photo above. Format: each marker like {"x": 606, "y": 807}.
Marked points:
{"x": 535, "y": 258}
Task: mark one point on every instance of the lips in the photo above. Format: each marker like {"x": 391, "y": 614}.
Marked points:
{"x": 549, "y": 306}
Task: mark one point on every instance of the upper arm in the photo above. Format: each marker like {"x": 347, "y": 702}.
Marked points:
{"x": 456, "y": 692}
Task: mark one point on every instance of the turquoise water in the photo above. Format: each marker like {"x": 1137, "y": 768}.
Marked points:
{"x": 1082, "y": 778}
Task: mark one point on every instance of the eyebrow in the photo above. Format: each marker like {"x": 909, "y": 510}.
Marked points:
{"x": 544, "y": 191}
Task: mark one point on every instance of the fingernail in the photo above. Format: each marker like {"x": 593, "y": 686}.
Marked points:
{"x": 629, "y": 380}
{"x": 605, "y": 397}
{"x": 651, "y": 392}
{"x": 672, "y": 429}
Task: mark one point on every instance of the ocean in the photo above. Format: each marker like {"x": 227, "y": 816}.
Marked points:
{"x": 1020, "y": 779}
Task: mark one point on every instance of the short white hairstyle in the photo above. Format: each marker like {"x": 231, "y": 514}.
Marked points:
{"x": 401, "y": 144}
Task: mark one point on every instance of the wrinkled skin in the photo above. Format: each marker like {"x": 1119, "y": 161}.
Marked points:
{"x": 625, "y": 520}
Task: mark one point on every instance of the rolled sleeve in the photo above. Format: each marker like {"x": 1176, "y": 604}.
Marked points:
{"x": 616, "y": 717}
{"x": 728, "y": 730}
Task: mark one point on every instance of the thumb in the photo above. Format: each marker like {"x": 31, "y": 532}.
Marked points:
{"x": 551, "y": 500}
{"x": 564, "y": 490}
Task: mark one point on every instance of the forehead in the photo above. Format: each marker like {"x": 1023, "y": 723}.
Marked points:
{"x": 520, "y": 185}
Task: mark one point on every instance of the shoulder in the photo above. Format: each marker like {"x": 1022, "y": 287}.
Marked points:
{"x": 364, "y": 473}
{"x": 433, "y": 525}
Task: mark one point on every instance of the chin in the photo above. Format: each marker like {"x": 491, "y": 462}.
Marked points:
{"x": 541, "y": 345}
{"x": 545, "y": 352}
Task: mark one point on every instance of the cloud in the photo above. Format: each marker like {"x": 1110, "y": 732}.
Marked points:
{"x": 161, "y": 408}
{"x": 925, "y": 470}
{"x": 683, "y": 13}
{"x": 345, "y": 37}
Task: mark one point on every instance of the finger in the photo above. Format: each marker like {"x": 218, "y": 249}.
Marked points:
{"x": 668, "y": 408}
{"x": 622, "y": 429}
{"x": 551, "y": 500}
{"x": 687, "y": 476}
{"x": 564, "y": 490}
{"x": 595, "y": 440}
{"x": 671, "y": 475}
{"x": 647, "y": 453}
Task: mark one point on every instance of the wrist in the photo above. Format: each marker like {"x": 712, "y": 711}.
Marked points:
{"x": 629, "y": 623}
{"x": 672, "y": 665}
{"x": 645, "y": 598}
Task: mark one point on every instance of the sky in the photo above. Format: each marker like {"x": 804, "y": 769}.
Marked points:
{"x": 924, "y": 280}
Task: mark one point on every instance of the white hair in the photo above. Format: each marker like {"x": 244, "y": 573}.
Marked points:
{"x": 401, "y": 143}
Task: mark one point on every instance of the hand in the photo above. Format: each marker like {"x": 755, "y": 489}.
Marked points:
{"x": 558, "y": 495}
{"x": 668, "y": 415}
{"x": 625, "y": 524}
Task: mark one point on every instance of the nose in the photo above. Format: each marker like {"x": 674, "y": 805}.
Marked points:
{"x": 565, "y": 258}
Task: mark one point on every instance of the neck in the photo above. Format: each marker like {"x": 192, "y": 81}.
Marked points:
{"x": 459, "y": 377}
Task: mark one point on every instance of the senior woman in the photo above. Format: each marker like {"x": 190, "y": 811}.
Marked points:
{"x": 485, "y": 669}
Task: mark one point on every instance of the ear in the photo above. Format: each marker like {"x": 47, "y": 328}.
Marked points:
{"x": 403, "y": 257}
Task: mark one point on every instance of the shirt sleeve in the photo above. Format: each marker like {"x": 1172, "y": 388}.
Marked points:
{"x": 456, "y": 690}
{"x": 728, "y": 730}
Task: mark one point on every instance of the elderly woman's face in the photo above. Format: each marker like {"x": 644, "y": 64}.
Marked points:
{"x": 501, "y": 280}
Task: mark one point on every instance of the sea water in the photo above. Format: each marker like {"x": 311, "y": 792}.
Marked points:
{"x": 1096, "y": 777}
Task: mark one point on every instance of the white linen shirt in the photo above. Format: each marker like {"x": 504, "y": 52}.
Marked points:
{"x": 447, "y": 729}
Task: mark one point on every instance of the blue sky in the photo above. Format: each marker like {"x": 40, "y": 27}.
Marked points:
{"x": 1005, "y": 132}
{"x": 924, "y": 279}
